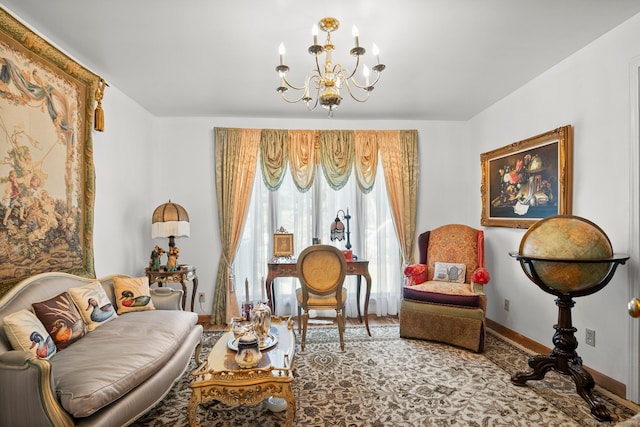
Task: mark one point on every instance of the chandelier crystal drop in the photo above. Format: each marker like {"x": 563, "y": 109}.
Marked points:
{"x": 325, "y": 82}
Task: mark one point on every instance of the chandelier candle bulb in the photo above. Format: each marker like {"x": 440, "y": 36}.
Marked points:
{"x": 376, "y": 52}
{"x": 281, "y": 51}
{"x": 314, "y": 32}
{"x": 356, "y": 34}
{"x": 246, "y": 290}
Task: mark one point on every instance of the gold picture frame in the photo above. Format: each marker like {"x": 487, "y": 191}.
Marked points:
{"x": 528, "y": 180}
{"x": 283, "y": 245}
{"x": 47, "y": 175}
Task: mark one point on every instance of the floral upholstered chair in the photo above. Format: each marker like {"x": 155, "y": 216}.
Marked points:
{"x": 450, "y": 305}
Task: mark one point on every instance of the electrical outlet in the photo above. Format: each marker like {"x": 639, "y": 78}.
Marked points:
{"x": 590, "y": 337}
{"x": 201, "y": 296}
{"x": 506, "y": 304}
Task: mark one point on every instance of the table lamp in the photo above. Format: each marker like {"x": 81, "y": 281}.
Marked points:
{"x": 337, "y": 228}
{"x": 170, "y": 220}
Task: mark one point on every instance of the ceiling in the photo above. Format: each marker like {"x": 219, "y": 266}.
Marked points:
{"x": 446, "y": 59}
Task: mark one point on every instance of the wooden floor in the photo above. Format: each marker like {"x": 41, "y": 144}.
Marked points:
{"x": 322, "y": 322}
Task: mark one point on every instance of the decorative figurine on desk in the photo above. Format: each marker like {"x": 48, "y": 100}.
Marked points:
{"x": 172, "y": 262}
{"x": 156, "y": 255}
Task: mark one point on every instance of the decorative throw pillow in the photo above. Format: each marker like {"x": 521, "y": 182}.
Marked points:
{"x": 449, "y": 272}
{"x": 132, "y": 294}
{"x": 416, "y": 274}
{"x": 93, "y": 304}
{"x": 26, "y": 333}
{"x": 61, "y": 318}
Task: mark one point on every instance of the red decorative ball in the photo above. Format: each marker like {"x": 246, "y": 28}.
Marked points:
{"x": 417, "y": 273}
{"x": 480, "y": 276}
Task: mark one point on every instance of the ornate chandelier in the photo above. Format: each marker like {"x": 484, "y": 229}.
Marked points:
{"x": 325, "y": 82}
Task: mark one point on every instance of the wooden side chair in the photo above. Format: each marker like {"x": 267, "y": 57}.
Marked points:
{"x": 450, "y": 305}
{"x": 321, "y": 272}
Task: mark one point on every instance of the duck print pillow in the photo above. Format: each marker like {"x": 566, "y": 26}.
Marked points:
{"x": 93, "y": 304}
{"x": 26, "y": 333}
{"x": 60, "y": 317}
{"x": 132, "y": 294}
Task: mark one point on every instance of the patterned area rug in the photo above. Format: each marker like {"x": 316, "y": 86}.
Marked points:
{"x": 384, "y": 380}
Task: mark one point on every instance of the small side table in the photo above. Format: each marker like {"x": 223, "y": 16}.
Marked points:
{"x": 183, "y": 274}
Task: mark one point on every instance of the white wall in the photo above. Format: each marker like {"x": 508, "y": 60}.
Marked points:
{"x": 589, "y": 90}
{"x": 125, "y": 158}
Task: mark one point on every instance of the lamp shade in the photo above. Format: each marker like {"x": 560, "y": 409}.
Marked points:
{"x": 170, "y": 220}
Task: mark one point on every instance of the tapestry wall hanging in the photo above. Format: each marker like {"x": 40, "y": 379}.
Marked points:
{"x": 528, "y": 180}
{"x": 46, "y": 159}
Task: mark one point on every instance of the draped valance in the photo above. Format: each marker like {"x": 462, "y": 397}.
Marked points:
{"x": 339, "y": 153}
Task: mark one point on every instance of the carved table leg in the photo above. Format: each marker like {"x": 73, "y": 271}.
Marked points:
{"x": 192, "y": 409}
{"x": 291, "y": 405}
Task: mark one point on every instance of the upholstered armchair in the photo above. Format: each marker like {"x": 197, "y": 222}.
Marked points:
{"x": 321, "y": 272}
{"x": 450, "y": 305}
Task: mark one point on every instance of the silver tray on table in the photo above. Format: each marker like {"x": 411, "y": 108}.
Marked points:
{"x": 269, "y": 341}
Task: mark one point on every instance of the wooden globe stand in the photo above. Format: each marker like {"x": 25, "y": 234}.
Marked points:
{"x": 564, "y": 358}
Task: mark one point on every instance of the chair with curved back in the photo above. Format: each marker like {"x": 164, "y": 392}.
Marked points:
{"x": 321, "y": 272}
{"x": 450, "y": 306}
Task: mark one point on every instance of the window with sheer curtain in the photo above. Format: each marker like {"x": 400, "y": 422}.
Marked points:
{"x": 309, "y": 215}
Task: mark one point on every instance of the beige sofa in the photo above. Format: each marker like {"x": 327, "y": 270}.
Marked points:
{"x": 110, "y": 376}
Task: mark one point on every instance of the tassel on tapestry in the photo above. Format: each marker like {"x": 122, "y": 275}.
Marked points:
{"x": 98, "y": 117}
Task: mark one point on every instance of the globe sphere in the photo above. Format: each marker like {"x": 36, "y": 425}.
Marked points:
{"x": 567, "y": 237}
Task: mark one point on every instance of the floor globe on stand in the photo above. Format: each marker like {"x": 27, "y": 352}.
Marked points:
{"x": 567, "y": 256}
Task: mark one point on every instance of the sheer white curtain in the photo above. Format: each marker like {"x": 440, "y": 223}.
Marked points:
{"x": 308, "y": 215}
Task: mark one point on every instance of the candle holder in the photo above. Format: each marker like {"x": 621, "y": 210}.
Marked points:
{"x": 247, "y": 307}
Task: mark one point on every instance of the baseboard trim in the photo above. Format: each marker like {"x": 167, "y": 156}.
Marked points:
{"x": 613, "y": 386}
{"x": 204, "y": 319}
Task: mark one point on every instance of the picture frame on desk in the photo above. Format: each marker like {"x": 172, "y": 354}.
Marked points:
{"x": 283, "y": 245}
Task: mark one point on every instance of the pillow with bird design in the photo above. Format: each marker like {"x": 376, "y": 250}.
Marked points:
{"x": 94, "y": 305}
{"x": 132, "y": 294}
{"x": 25, "y": 332}
{"x": 61, "y": 319}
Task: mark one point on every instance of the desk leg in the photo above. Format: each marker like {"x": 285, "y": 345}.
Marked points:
{"x": 366, "y": 301}
{"x": 194, "y": 291}
{"x": 268, "y": 284}
{"x": 359, "y": 282}
{"x": 184, "y": 293}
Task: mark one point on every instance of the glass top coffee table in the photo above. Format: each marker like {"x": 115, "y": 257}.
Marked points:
{"x": 220, "y": 378}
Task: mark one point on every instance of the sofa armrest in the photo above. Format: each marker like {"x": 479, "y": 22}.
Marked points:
{"x": 28, "y": 397}
{"x": 167, "y": 298}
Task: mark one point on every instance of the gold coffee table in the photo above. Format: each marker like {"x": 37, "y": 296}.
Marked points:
{"x": 220, "y": 378}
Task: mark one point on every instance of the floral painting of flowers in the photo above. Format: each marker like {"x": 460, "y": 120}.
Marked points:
{"x": 527, "y": 180}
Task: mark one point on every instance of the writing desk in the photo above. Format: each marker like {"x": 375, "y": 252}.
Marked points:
{"x": 289, "y": 269}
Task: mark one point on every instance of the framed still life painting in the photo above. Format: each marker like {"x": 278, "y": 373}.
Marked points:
{"x": 282, "y": 243}
{"x": 46, "y": 160}
{"x": 528, "y": 180}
